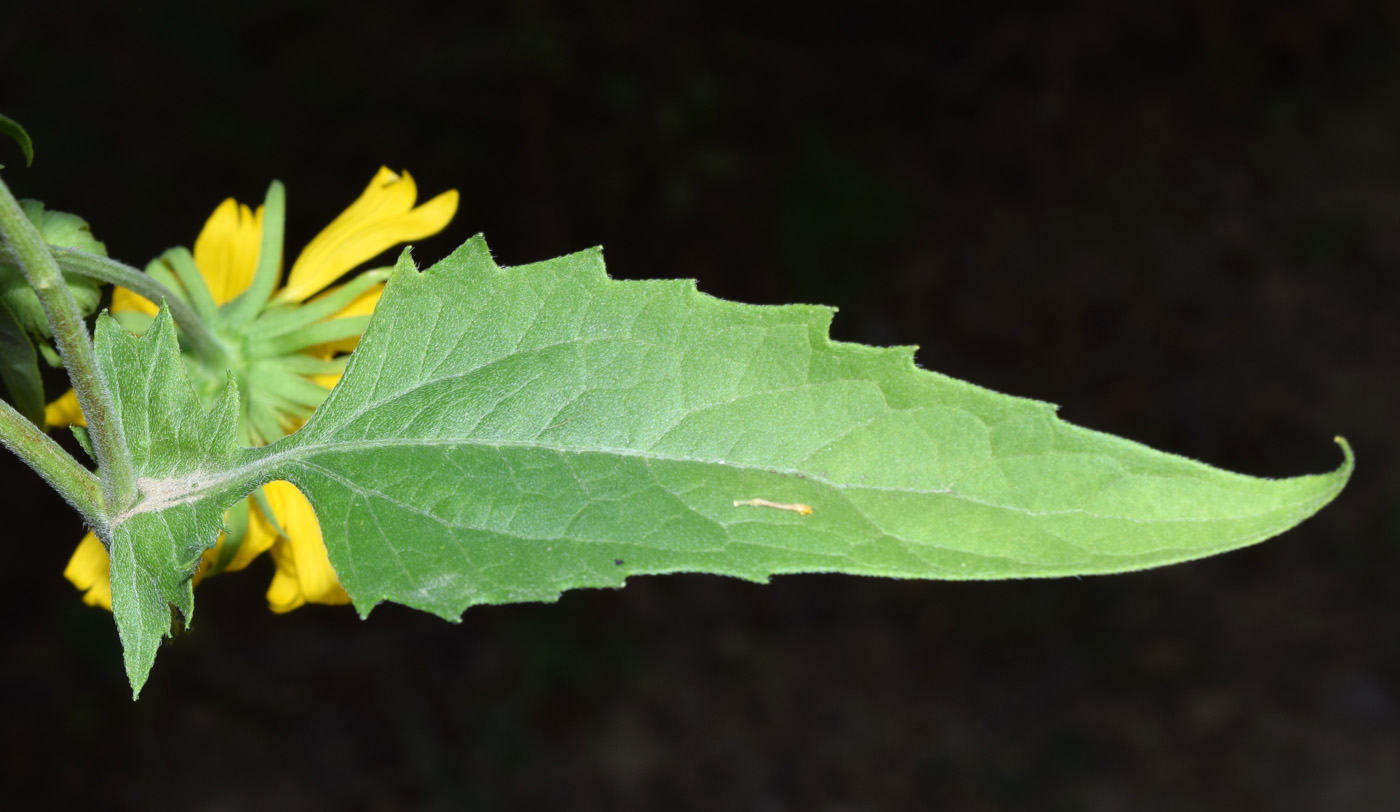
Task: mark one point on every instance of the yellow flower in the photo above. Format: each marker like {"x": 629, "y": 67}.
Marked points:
{"x": 286, "y": 353}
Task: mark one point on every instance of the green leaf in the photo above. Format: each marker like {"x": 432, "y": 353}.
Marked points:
{"x": 502, "y": 435}
{"x": 9, "y": 127}
{"x": 19, "y": 368}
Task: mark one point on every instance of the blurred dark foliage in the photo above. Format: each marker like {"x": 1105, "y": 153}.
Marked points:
{"x": 1179, "y": 220}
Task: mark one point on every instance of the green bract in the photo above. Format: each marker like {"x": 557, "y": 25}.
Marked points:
{"x": 502, "y": 435}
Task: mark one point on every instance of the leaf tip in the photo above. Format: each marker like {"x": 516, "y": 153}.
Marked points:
{"x": 139, "y": 658}
{"x": 1348, "y": 460}
{"x": 16, "y": 133}
{"x": 1346, "y": 450}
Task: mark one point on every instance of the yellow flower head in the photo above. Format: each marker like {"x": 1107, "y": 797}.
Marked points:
{"x": 285, "y": 347}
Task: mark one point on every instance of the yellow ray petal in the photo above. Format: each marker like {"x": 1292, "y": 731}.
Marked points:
{"x": 284, "y": 593}
{"x": 382, "y": 217}
{"x": 226, "y": 250}
{"x": 304, "y": 572}
{"x": 64, "y": 411}
{"x": 388, "y": 195}
{"x": 125, "y": 301}
{"x": 91, "y": 571}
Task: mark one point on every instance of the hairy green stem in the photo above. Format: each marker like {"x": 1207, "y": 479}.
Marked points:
{"x": 71, "y": 335}
{"x": 204, "y": 343}
{"x": 73, "y": 482}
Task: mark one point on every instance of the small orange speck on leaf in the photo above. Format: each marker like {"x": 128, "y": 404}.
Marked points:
{"x": 795, "y": 507}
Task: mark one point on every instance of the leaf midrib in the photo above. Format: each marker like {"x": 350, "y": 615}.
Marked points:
{"x": 269, "y": 461}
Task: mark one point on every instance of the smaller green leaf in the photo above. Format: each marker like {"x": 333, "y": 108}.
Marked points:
{"x": 19, "y": 368}
{"x": 154, "y": 554}
{"x": 11, "y": 128}
{"x": 62, "y": 229}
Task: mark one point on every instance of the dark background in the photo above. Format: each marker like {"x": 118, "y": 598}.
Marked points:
{"x": 1180, "y": 223}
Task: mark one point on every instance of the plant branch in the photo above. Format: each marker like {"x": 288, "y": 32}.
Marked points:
{"x": 204, "y": 343}
{"x": 76, "y": 484}
{"x": 71, "y": 335}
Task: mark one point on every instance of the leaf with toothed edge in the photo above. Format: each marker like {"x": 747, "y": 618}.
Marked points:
{"x": 154, "y": 551}
{"x": 504, "y": 434}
